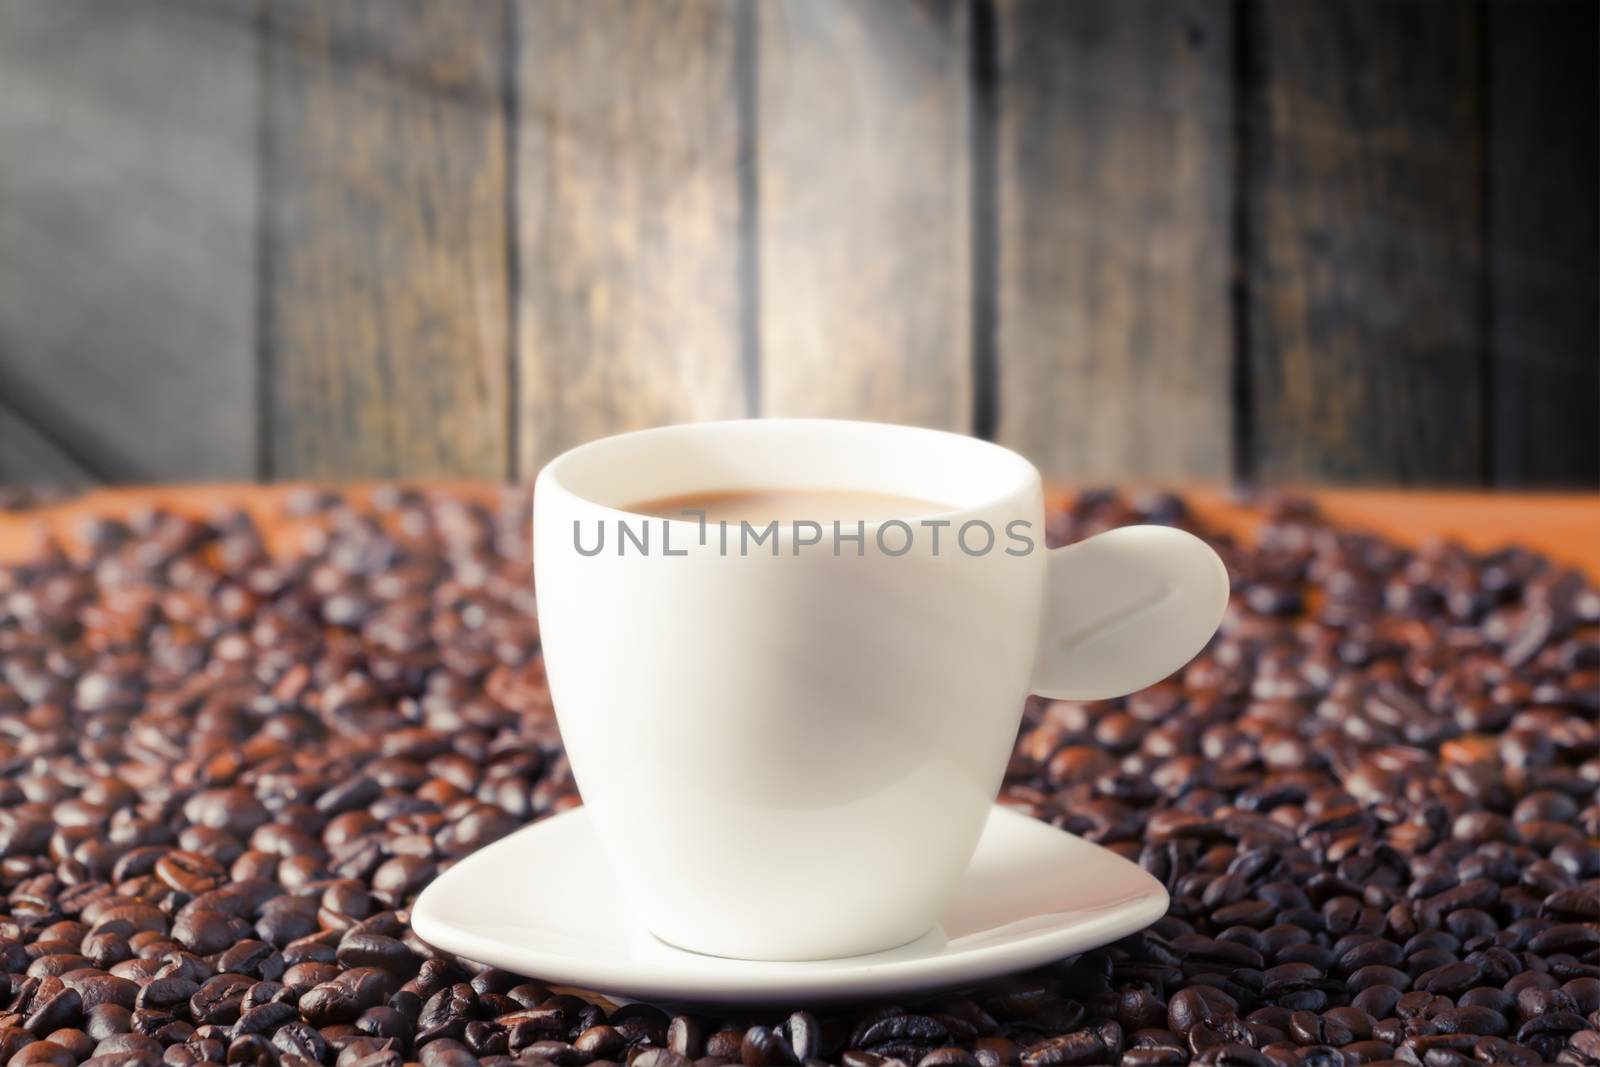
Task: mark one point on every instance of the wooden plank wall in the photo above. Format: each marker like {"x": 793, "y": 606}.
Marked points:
{"x": 127, "y": 215}
{"x": 1289, "y": 240}
{"x": 628, "y": 231}
{"x": 1366, "y": 245}
{"x": 862, "y": 177}
{"x": 1115, "y": 191}
{"x": 1543, "y": 226}
{"x": 385, "y": 298}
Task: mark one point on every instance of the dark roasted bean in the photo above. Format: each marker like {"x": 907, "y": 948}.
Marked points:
{"x": 1471, "y": 1020}
{"x": 251, "y": 957}
{"x": 252, "y": 1050}
{"x": 97, "y": 989}
{"x": 949, "y": 1056}
{"x": 725, "y": 1044}
{"x": 205, "y": 932}
{"x": 296, "y": 1038}
{"x": 904, "y": 1026}
{"x": 165, "y": 994}
{"x": 1153, "y": 1057}
{"x": 1196, "y": 1005}
{"x": 128, "y": 1044}
{"x": 1084, "y": 1046}
{"x": 80, "y": 1044}
{"x": 104, "y": 1020}
{"x": 368, "y": 1050}
{"x": 995, "y": 1051}
{"x": 683, "y": 1036}
{"x": 804, "y": 1033}
{"x": 605, "y": 1042}
{"x": 220, "y": 999}
{"x": 361, "y": 949}
{"x": 445, "y": 1014}
{"x": 264, "y": 1018}
{"x": 490, "y": 1039}
{"x": 51, "y": 1006}
{"x": 445, "y": 1053}
{"x": 764, "y": 1047}
{"x": 262, "y": 993}
{"x": 43, "y": 1052}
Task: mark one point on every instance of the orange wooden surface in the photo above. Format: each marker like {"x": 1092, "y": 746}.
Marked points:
{"x": 1566, "y": 526}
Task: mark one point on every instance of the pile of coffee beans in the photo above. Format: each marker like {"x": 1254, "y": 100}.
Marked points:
{"x": 225, "y": 772}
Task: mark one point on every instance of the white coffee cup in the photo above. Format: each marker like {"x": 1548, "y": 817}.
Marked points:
{"x": 792, "y": 756}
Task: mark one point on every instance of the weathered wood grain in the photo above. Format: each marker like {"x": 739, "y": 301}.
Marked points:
{"x": 863, "y": 175}
{"x": 386, "y": 287}
{"x": 1366, "y": 260}
{"x": 628, "y": 216}
{"x": 127, "y": 212}
{"x": 1544, "y": 241}
{"x": 1115, "y": 189}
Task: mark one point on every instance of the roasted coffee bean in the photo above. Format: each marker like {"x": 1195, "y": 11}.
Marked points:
{"x": 604, "y": 1042}
{"x": 996, "y": 1052}
{"x": 103, "y": 1020}
{"x": 559, "y": 1053}
{"x": 369, "y": 1052}
{"x": 1138, "y": 1009}
{"x": 1380, "y": 976}
{"x": 250, "y": 957}
{"x": 264, "y": 1018}
{"x": 40, "y": 1053}
{"x": 336, "y": 1001}
{"x": 683, "y": 1036}
{"x": 128, "y": 1044}
{"x": 51, "y": 1006}
{"x": 1471, "y": 1020}
{"x": 725, "y": 1044}
{"x": 97, "y": 989}
{"x": 220, "y": 999}
{"x": 296, "y": 1038}
{"x": 385, "y": 1022}
{"x": 949, "y": 1056}
{"x": 660, "y": 1057}
{"x": 252, "y": 1050}
{"x": 525, "y": 1027}
{"x": 360, "y": 949}
{"x": 205, "y": 932}
{"x": 641, "y": 1022}
{"x": 1153, "y": 1057}
{"x": 12, "y": 1040}
{"x": 1450, "y": 979}
{"x": 263, "y": 993}
{"x": 763, "y": 1047}
{"x": 80, "y": 1044}
{"x": 165, "y": 994}
{"x": 446, "y": 1053}
{"x": 900, "y": 1027}
{"x": 1195, "y": 1005}
{"x": 491, "y": 1039}
{"x": 1084, "y": 1046}
{"x": 445, "y": 1014}
{"x": 189, "y": 872}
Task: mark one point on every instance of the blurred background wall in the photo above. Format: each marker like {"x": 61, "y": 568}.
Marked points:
{"x": 1285, "y": 240}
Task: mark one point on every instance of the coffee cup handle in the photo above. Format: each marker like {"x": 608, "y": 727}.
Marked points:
{"x": 1125, "y": 609}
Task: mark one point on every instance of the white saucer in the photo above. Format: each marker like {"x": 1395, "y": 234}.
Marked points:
{"x": 544, "y": 903}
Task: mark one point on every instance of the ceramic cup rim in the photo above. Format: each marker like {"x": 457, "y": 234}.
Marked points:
{"x": 1008, "y": 474}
